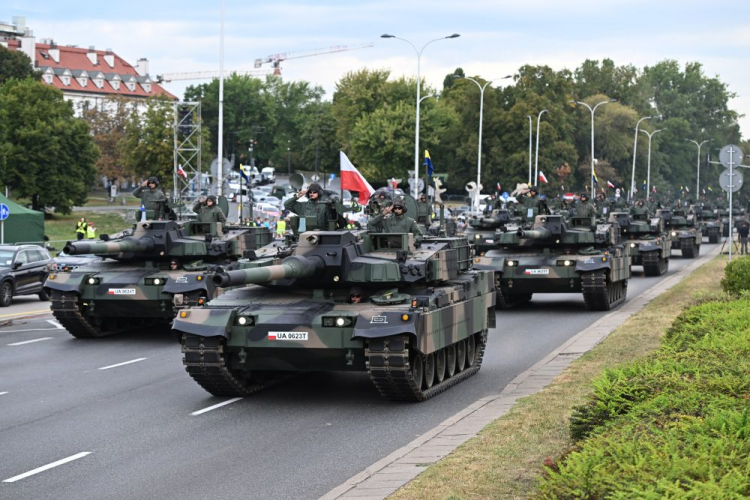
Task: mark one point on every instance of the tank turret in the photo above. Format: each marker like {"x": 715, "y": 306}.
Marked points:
{"x": 541, "y": 233}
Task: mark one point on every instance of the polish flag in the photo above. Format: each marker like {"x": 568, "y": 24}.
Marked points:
{"x": 271, "y": 336}
{"x": 610, "y": 185}
{"x": 181, "y": 172}
{"x": 352, "y": 180}
{"x": 543, "y": 178}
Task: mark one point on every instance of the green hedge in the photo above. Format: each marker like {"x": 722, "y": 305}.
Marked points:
{"x": 675, "y": 424}
{"x": 737, "y": 276}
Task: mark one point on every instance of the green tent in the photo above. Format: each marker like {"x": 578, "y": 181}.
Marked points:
{"x": 23, "y": 225}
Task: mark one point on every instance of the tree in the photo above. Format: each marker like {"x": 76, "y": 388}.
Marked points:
{"x": 16, "y": 64}
{"x": 147, "y": 148}
{"x": 108, "y": 123}
{"x": 48, "y": 155}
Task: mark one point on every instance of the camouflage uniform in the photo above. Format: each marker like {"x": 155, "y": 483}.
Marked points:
{"x": 395, "y": 224}
{"x": 311, "y": 208}
{"x": 639, "y": 210}
{"x": 153, "y": 201}
{"x": 585, "y": 209}
{"x": 620, "y": 204}
{"x": 209, "y": 214}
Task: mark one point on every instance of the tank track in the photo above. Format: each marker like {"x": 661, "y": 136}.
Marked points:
{"x": 389, "y": 366}
{"x": 600, "y": 294}
{"x": 505, "y": 301}
{"x": 205, "y": 362}
{"x": 653, "y": 265}
{"x": 689, "y": 248}
{"x": 714, "y": 235}
{"x": 67, "y": 314}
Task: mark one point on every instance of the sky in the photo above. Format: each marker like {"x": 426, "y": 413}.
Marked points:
{"x": 497, "y": 37}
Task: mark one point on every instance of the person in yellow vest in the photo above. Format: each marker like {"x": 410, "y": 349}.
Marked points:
{"x": 280, "y": 227}
{"x": 81, "y": 227}
{"x": 91, "y": 231}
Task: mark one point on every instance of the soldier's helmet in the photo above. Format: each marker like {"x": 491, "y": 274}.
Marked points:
{"x": 154, "y": 179}
{"x": 211, "y": 198}
{"x": 399, "y": 203}
{"x": 315, "y": 188}
{"x": 534, "y": 189}
{"x": 584, "y": 196}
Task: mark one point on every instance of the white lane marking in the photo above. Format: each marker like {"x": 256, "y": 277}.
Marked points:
{"x": 47, "y": 467}
{"x": 3, "y": 393}
{"x": 31, "y": 341}
{"x": 55, "y": 324}
{"x": 122, "y": 364}
{"x": 219, "y": 405}
{"x": 29, "y": 330}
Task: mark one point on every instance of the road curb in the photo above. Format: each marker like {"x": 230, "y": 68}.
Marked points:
{"x": 387, "y": 475}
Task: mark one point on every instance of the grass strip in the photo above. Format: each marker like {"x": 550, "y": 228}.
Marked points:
{"x": 507, "y": 457}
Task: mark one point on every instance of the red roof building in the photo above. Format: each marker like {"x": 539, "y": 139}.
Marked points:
{"x": 85, "y": 76}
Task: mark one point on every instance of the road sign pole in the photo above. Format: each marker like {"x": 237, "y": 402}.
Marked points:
{"x": 731, "y": 185}
{"x": 2, "y": 232}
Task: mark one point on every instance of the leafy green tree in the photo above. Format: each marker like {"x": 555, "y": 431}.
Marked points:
{"x": 46, "y": 153}
{"x": 16, "y": 64}
{"x": 108, "y": 123}
{"x": 147, "y": 147}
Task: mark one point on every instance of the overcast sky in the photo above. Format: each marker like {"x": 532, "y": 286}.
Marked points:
{"x": 496, "y": 36}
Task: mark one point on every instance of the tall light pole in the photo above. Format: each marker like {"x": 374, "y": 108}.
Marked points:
{"x": 536, "y": 160}
{"x": 220, "y": 169}
{"x": 698, "y": 171}
{"x": 648, "y": 169}
{"x": 416, "y": 126}
{"x": 479, "y": 143}
{"x": 531, "y": 129}
{"x": 593, "y": 110}
{"x": 635, "y": 148}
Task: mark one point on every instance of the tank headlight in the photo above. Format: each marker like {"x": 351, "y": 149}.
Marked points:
{"x": 199, "y": 278}
{"x": 340, "y": 322}
{"x": 510, "y": 263}
{"x": 336, "y": 279}
{"x": 567, "y": 263}
{"x": 184, "y": 314}
{"x": 94, "y": 281}
{"x": 242, "y": 320}
{"x": 604, "y": 259}
{"x": 157, "y": 281}
{"x": 404, "y": 317}
{"x": 632, "y": 245}
{"x": 674, "y": 233}
{"x": 477, "y": 236}
{"x": 52, "y": 276}
{"x": 245, "y": 320}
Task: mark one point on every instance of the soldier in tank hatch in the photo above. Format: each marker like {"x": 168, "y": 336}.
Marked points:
{"x": 315, "y": 206}
{"x": 208, "y": 210}
{"x": 394, "y": 220}
{"x": 584, "y": 207}
{"x": 153, "y": 198}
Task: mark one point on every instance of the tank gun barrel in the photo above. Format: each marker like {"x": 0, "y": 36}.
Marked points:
{"x": 534, "y": 234}
{"x": 292, "y": 267}
{"x": 108, "y": 247}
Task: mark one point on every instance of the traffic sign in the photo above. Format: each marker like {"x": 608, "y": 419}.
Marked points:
{"x": 315, "y": 178}
{"x": 731, "y": 153}
{"x": 736, "y": 182}
{"x": 4, "y": 211}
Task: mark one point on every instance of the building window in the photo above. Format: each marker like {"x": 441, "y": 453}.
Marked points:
{"x": 99, "y": 83}
{"x": 83, "y": 82}
{"x": 147, "y": 87}
{"x": 48, "y": 79}
{"x": 115, "y": 85}
{"x": 131, "y": 86}
{"x": 66, "y": 80}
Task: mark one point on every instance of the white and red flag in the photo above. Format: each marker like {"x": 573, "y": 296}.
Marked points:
{"x": 352, "y": 180}
{"x": 610, "y": 185}
{"x": 542, "y": 177}
{"x": 181, "y": 172}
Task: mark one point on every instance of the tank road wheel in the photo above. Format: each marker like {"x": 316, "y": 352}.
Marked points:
{"x": 450, "y": 355}
{"x": 417, "y": 368}
{"x": 429, "y": 371}
{"x": 440, "y": 365}
{"x": 460, "y": 355}
{"x": 689, "y": 248}
{"x": 471, "y": 351}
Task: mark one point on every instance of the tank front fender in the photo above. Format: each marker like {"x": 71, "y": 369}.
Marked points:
{"x": 204, "y": 322}
{"x": 373, "y": 325}
{"x": 593, "y": 264}
{"x": 188, "y": 283}
{"x": 646, "y": 247}
{"x": 65, "y": 282}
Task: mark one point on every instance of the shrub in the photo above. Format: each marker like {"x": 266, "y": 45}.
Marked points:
{"x": 737, "y": 276}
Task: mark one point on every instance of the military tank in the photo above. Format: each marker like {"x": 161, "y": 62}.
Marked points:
{"x": 130, "y": 289}
{"x": 557, "y": 257}
{"x": 683, "y": 229}
{"x": 415, "y": 318}
{"x": 709, "y": 221}
{"x": 650, "y": 244}
{"x": 484, "y": 231}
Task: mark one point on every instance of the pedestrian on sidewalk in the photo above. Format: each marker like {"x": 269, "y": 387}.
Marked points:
{"x": 743, "y": 231}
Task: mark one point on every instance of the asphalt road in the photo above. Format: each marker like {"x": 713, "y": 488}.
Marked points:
{"x": 113, "y": 418}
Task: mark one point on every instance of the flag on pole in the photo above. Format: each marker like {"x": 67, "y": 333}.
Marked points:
{"x": 653, "y": 189}
{"x": 499, "y": 187}
{"x": 542, "y": 177}
{"x": 687, "y": 189}
{"x": 428, "y": 163}
{"x": 595, "y": 178}
{"x": 610, "y": 185}
{"x": 245, "y": 172}
{"x": 644, "y": 185}
{"x": 352, "y": 180}
{"x": 181, "y": 172}
{"x": 709, "y": 188}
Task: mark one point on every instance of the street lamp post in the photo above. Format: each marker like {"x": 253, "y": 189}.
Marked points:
{"x": 416, "y": 126}
{"x": 288, "y": 157}
{"x": 531, "y": 129}
{"x": 220, "y": 169}
{"x": 698, "y": 171}
{"x": 593, "y": 110}
{"x": 648, "y": 169}
{"x": 635, "y": 148}
{"x": 479, "y": 142}
{"x": 536, "y": 160}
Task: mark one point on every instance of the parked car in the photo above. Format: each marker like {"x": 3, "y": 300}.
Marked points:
{"x": 23, "y": 271}
{"x": 65, "y": 262}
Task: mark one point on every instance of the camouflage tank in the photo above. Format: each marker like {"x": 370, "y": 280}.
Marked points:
{"x": 709, "y": 221}
{"x": 650, "y": 243}
{"x": 130, "y": 289}
{"x": 555, "y": 257}
{"x": 484, "y": 231}
{"x": 685, "y": 233}
{"x": 415, "y": 318}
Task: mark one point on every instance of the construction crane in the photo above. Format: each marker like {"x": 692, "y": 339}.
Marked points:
{"x": 275, "y": 59}
{"x": 205, "y": 75}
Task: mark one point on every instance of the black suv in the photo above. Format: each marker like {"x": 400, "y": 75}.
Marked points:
{"x": 23, "y": 271}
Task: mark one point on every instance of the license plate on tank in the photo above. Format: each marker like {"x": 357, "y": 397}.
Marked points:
{"x": 295, "y": 336}
{"x": 536, "y": 271}
{"x": 490, "y": 241}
